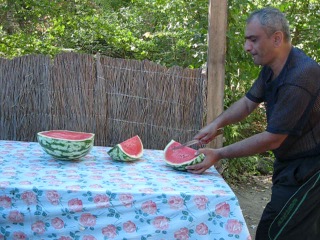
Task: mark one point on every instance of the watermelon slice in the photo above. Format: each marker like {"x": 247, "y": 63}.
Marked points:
{"x": 129, "y": 150}
{"x": 182, "y": 157}
{"x": 66, "y": 145}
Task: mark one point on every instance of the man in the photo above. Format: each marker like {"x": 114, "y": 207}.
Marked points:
{"x": 289, "y": 85}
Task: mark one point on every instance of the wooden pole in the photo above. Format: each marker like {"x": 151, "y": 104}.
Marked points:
{"x": 216, "y": 62}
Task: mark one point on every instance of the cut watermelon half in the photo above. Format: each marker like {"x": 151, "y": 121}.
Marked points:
{"x": 180, "y": 158}
{"x": 128, "y": 150}
{"x": 66, "y": 145}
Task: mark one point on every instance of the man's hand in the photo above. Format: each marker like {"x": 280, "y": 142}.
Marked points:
{"x": 211, "y": 157}
{"x": 235, "y": 113}
{"x": 207, "y": 134}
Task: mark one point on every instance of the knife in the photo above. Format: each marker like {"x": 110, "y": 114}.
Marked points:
{"x": 195, "y": 141}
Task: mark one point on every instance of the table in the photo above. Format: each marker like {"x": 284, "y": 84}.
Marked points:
{"x": 98, "y": 198}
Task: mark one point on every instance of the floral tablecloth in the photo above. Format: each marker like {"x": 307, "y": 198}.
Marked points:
{"x": 98, "y": 198}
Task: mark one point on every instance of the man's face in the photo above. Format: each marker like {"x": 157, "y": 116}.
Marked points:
{"x": 258, "y": 44}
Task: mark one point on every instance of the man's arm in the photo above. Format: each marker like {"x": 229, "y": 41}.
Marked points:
{"x": 258, "y": 143}
{"x": 235, "y": 113}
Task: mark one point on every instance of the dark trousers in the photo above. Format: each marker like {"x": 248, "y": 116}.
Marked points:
{"x": 294, "y": 210}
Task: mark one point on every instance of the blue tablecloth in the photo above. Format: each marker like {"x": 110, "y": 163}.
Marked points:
{"x": 98, "y": 198}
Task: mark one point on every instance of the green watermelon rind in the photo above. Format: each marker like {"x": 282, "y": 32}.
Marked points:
{"x": 182, "y": 167}
{"x": 117, "y": 153}
{"x": 63, "y": 149}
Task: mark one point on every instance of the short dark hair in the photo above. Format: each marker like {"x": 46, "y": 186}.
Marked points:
{"x": 272, "y": 19}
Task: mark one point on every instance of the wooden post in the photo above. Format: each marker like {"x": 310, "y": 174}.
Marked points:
{"x": 216, "y": 62}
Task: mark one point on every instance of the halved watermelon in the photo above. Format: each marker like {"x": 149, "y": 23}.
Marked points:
{"x": 182, "y": 157}
{"x": 129, "y": 150}
{"x": 66, "y": 145}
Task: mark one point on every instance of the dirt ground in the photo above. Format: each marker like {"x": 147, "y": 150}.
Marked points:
{"x": 253, "y": 197}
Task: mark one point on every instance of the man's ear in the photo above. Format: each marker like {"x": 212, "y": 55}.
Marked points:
{"x": 278, "y": 38}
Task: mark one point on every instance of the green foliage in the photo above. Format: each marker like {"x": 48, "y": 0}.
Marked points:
{"x": 43, "y": 27}
{"x": 240, "y": 169}
{"x": 163, "y": 31}
{"x": 166, "y": 32}
{"x": 237, "y": 170}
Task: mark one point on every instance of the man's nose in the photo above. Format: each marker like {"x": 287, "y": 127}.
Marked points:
{"x": 247, "y": 46}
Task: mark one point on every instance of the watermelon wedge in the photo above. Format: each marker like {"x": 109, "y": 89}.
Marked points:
{"x": 182, "y": 157}
{"x": 128, "y": 150}
{"x": 66, "y": 145}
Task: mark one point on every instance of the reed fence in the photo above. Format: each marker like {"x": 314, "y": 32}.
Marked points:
{"x": 113, "y": 98}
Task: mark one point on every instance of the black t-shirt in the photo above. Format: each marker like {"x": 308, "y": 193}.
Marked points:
{"x": 292, "y": 103}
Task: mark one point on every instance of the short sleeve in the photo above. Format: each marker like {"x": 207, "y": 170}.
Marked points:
{"x": 257, "y": 91}
{"x": 288, "y": 113}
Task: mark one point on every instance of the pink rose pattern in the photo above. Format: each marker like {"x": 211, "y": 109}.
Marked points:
{"x": 201, "y": 202}
{"x": 110, "y": 231}
{"x": 202, "y": 229}
{"x": 223, "y": 209}
{"x": 233, "y": 226}
{"x": 53, "y": 197}
{"x": 57, "y": 223}
{"x": 96, "y": 212}
{"x": 126, "y": 199}
{"x": 176, "y": 202}
{"x": 182, "y": 234}
{"x": 5, "y": 202}
{"x": 88, "y": 237}
{"x": 75, "y": 205}
{"x": 19, "y": 236}
{"x": 64, "y": 238}
{"x": 129, "y": 227}
{"x": 149, "y": 207}
{"x": 101, "y": 201}
{"x": 161, "y": 223}
{"x": 38, "y": 227}
{"x": 16, "y": 217}
{"x": 88, "y": 220}
{"x": 29, "y": 197}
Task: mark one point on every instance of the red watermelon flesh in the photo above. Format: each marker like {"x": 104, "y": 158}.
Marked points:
{"x": 181, "y": 157}
{"x": 132, "y": 146}
{"x": 67, "y": 135}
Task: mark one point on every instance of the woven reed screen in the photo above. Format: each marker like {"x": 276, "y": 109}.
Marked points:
{"x": 113, "y": 98}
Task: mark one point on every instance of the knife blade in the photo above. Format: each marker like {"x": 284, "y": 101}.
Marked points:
{"x": 186, "y": 144}
{"x": 195, "y": 141}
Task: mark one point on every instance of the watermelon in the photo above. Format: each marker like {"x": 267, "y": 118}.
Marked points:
{"x": 128, "y": 150}
{"x": 180, "y": 158}
{"x": 66, "y": 145}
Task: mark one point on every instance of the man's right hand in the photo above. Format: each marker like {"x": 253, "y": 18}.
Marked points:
{"x": 207, "y": 134}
